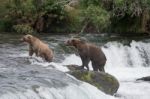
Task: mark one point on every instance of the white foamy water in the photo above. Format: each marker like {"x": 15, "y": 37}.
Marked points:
{"x": 39, "y": 61}
{"x": 126, "y": 63}
{"x": 84, "y": 91}
{"x": 51, "y": 65}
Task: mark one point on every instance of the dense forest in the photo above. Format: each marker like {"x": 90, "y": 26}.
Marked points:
{"x": 75, "y": 16}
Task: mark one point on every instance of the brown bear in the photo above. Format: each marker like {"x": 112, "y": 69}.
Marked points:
{"x": 38, "y": 47}
{"x": 89, "y": 52}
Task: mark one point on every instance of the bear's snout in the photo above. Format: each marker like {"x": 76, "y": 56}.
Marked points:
{"x": 67, "y": 43}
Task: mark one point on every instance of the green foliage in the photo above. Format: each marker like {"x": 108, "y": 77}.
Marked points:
{"x": 5, "y": 25}
{"x": 24, "y": 29}
{"x": 94, "y": 15}
{"x": 52, "y": 6}
{"x": 56, "y": 11}
{"x": 59, "y": 16}
{"x": 130, "y": 7}
{"x": 19, "y": 8}
{"x": 86, "y": 3}
{"x": 130, "y": 15}
{"x": 37, "y": 4}
{"x": 32, "y": 9}
{"x": 97, "y": 16}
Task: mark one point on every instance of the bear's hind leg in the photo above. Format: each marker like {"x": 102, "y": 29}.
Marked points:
{"x": 101, "y": 68}
{"x": 95, "y": 66}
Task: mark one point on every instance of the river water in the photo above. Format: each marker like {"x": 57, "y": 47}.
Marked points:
{"x": 24, "y": 77}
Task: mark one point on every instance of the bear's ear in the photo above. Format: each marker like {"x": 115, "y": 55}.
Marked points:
{"x": 29, "y": 37}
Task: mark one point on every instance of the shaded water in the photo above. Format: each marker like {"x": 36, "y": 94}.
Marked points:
{"x": 23, "y": 77}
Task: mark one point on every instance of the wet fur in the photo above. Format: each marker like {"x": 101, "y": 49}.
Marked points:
{"x": 89, "y": 52}
{"x": 38, "y": 47}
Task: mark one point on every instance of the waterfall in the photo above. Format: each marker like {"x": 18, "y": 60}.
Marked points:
{"x": 26, "y": 78}
{"x": 137, "y": 54}
{"x": 126, "y": 63}
{"x": 85, "y": 91}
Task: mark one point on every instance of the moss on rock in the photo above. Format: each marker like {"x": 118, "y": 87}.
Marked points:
{"x": 103, "y": 81}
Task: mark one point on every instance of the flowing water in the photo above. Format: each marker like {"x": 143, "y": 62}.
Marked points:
{"x": 24, "y": 77}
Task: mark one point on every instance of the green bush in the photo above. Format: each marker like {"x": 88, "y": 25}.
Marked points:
{"x": 130, "y": 16}
{"x": 59, "y": 16}
{"x": 23, "y": 28}
{"x": 5, "y": 25}
{"x": 86, "y": 3}
{"x": 98, "y": 16}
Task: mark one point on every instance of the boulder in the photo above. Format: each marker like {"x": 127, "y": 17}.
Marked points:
{"x": 103, "y": 81}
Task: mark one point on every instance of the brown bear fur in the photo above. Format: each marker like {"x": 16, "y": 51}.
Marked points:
{"x": 38, "y": 47}
{"x": 89, "y": 52}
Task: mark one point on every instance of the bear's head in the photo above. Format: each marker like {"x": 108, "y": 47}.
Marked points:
{"x": 74, "y": 42}
{"x": 27, "y": 38}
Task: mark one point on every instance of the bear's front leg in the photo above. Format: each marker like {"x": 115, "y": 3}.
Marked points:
{"x": 30, "y": 51}
{"x": 85, "y": 62}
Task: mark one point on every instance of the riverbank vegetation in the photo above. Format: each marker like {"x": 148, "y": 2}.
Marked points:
{"x": 75, "y": 16}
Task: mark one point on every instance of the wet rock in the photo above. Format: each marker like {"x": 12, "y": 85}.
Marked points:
{"x": 103, "y": 81}
{"x": 74, "y": 67}
{"x": 145, "y": 78}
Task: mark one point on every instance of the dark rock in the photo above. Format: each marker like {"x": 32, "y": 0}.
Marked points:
{"x": 145, "y": 78}
{"x": 74, "y": 67}
{"x": 103, "y": 81}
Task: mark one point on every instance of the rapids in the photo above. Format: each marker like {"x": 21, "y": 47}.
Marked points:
{"x": 24, "y": 77}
